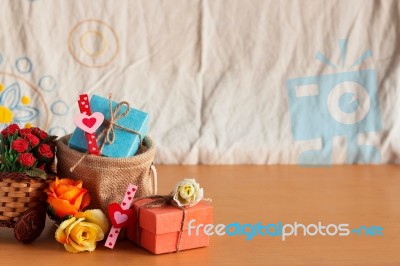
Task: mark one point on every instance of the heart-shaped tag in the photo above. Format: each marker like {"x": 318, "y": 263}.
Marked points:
{"x": 118, "y": 216}
{"x": 89, "y": 123}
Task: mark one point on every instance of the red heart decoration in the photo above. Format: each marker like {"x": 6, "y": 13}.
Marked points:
{"x": 118, "y": 216}
{"x": 89, "y": 122}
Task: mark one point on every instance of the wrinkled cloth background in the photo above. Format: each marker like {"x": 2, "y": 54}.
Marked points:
{"x": 211, "y": 74}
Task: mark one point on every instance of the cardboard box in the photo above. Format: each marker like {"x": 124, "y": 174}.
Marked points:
{"x": 159, "y": 227}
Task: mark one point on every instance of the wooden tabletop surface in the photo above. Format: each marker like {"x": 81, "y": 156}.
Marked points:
{"x": 354, "y": 195}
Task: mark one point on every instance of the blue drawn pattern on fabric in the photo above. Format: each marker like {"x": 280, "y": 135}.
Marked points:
{"x": 24, "y": 65}
{"x": 10, "y": 98}
{"x": 47, "y": 83}
{"x": 57, "y": 131}
{"x": 59, "y": 107}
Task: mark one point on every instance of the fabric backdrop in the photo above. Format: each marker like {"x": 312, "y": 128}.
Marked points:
{"x": 224, "y": 82}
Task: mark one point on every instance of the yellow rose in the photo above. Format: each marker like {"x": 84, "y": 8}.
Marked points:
{"x": 187, "y": 193}
{"x": 81, "y": 233}
{"x": 95, "y": 216}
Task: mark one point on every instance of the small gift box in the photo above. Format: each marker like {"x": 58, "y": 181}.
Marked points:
{"x": 164, "y": 229}
{"x": 129, "y": 127}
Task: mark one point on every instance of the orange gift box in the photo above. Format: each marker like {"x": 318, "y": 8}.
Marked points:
{"x": 159, "y": 227}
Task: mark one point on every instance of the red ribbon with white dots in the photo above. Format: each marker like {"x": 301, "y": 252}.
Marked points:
{"x": 84, "y": 107}
{"x": 120, "y": 215}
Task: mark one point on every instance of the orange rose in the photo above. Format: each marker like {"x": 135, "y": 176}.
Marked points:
{"x": 66, "y": 197}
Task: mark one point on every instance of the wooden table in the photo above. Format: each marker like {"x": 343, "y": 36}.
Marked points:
{"x": 356, "y": 195}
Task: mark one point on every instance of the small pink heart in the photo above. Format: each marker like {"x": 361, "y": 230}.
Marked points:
{"x": 116, "y": 231}
{"x": 129, "y": 198}
{"x": 111, "y": 235}
{"x": 89, "y": 123}
{"x": 123, "y": 203}
{"x": 110, "y": 244}
{"x": 133, "y": 189}
{"x": 120, "y": 218}
{"x": 128, "y": 193}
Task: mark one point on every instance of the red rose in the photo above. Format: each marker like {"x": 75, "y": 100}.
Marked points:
{"x": 20, "y": 145}
{"x": 12, "y": 128}
{"x": 43, "y": 135}
{"x": 24, "y": 131}
{"x": 35, "y": 131}
{"x": 39, "y": 133}
{"x": 45, "y": 151}
{"x": 4, "y": 132}
{"x": 26, "y": 159}
{"x": 32, "y": 139}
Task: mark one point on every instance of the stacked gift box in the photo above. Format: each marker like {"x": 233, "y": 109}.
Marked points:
{"x": 165, "y": 230}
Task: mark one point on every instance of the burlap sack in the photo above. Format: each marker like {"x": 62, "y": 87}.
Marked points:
{"x": 107, "y": 178}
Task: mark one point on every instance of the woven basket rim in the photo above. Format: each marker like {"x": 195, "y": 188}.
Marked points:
{"x": 21, "y": 176}
{"x": 63, "y": 143}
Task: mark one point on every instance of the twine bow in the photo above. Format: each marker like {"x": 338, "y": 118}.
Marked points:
{"x": 108, "y": 132}
{"x": 160, "y": 201}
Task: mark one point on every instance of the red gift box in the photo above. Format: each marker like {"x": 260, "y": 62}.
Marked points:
{"x": 160, "y": 227}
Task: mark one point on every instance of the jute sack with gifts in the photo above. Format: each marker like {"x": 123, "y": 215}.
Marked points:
{"x": 107, "y": 178}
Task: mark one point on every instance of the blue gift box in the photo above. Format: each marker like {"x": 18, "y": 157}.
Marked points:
{"x": 125, "y": 143}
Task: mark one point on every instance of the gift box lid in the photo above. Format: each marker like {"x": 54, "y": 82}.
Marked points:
{"x": 135, "y": 119}
{"x": 167, "y": 219}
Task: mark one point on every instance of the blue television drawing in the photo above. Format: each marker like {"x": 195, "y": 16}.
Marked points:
{"x": 342, "y": 104}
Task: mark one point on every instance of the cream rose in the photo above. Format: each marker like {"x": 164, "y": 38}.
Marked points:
{"x": 187, "y": 193}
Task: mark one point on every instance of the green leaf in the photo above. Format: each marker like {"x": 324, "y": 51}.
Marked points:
{"x": 36, "y": 172}
{"x": 52, "y": 215}
{"x": 7, "y": 161}
{"x": 66, "y": 217}
{"x": 3, "y": 160}
{"x": 2, "y": 144}
{"x": 51, "y": 138}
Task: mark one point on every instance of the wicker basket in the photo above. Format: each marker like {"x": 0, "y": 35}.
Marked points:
{"x": 22, "y": 201}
